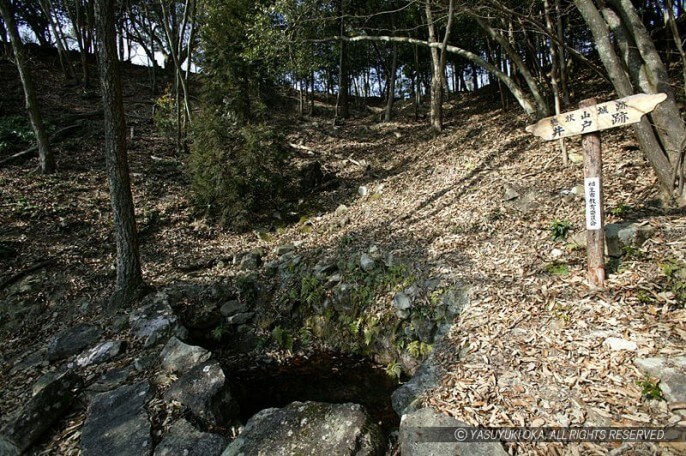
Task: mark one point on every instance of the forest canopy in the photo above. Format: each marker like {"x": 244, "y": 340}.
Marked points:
{"x": 231, "y": 62}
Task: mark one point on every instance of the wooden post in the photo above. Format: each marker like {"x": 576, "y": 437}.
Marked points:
{"x": 587, "y": 122}
{"x": 593, "y": 185}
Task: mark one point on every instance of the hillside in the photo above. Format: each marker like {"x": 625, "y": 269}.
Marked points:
{"x": 470, "y": 209}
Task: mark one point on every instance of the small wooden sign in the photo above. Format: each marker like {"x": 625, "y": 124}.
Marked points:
{"x": 587, "y": 121}
{"x": 617, "y": 113}
{"x": 593, "y": 206}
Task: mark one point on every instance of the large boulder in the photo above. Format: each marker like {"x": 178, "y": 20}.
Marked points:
{"x": 155, "y": 320}
{"x": 40, "y": 412}
{"x": 72, "y": 341}
{"x": 405, "y": 398}
{"x": 619, "y": 236}
{"x": 184, "y": 440}
{"x": 670, "y": 371}
{"x": 203, "y": 390}
{"x": 425, "y": 432}
{"x": 178, "y": 357}
{"x": 101, "y": 353}
{"x": 309, "y": 428}
{"x": 117, "y": 423}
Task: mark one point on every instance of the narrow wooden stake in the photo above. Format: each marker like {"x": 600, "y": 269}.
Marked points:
{"x": 593, "y": 185}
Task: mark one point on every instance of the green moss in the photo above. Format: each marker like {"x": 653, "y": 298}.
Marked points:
{"x": 559, "y": 229}
{"x": 675, "y": 272}
{"x": 557, "y": 268}
{"x": 650, "y": 388}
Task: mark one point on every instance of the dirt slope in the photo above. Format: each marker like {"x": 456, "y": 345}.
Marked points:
{"x": 530, "y": 344}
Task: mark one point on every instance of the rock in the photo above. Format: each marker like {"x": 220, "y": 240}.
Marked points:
{"x": 324, "y": 268}
{"x": 178, "y": 357}
{"x": 247, "y": 339}
{"x": 556, "y": 253}
{"x": 341, "y": 209}
{"x": 420, "y": 427}
{"x": 111, "y": 379}
{"x": 201, "y": 317}
{"x": 73, "y": 340}
{"x": 271, "y": 267}
{"x": 366, "y": 262}
{"x": 617, "y": 343}
{"x": 30, "y": 361}
{"x": 41, "y": 411}
{"x": 8, "y": 448}
{"x": 155, "y": 320}
{"x": 119, "y": 323}
{"x": 232, "y": 307}
{"x": 309, "y": 428}
{"x": 43, "y": 381}
{"x": 341, "y": 297}
{"x": 184, "y": 440}
{"x": 402, "y": 314}
{"x": 334, "y": 278}
{"x": 117, "y": 423}
{"x": 240, "y": 318}
{"x": 578, "y": 190}
{"x": 284, "y": 249}
{"x": 526, "y": 202}
{"x": 311, "y": 175}
{"x": 404, "y": 399}
{"x": 144, "y": 362}
{"x": 363, "y": 191}
{"x": 575, "y": 158}
{"x": 100, "y": 353}
{"x": 204, "y": 391}
{"x": 425, "y": 329}
{"x": 454, "y": 300}
{"x": 510, "y": 193}
{"x": 621, "y": 235}
{"x": 579, "y": 239}
{"x": 251, "y": 261}
{"x": 402, "y": 301}
{"x": 670, "y": 371}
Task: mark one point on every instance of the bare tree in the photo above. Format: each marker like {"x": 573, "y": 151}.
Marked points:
{"x": 46, "y": 158}
{"x": 639, "y": 68}
{"x": 129, "y": 278}
{"x": 438, "y": 57}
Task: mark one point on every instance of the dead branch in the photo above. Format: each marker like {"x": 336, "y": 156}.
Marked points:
{"x": 9, "y": 281}
{"x": 59, "y": 134}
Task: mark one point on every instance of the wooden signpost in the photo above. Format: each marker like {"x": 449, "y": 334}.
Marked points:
{"x": 587, "y": 121}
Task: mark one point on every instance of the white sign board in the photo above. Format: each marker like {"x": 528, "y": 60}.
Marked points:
{"x": 602, "y": 116}
{"x": 592, "y": 191}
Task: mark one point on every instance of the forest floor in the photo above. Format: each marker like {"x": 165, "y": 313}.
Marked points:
{"x": 529, "y": 348}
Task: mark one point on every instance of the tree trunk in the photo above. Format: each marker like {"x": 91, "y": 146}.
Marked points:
{"x": 391, "y": 85}
{"x": 531, "y": 82}
{"x": 651, "y": 76}
{"x": 511, "y": 84}
{"x": 46, "y": 7}
{"x": 342, "y": 97}
{"x": 555, "y": 75}
{"x": 666, "y": 161}
{"x": 564, "y": 86}
{"x": 436, "y": 103}
{"x": 417, "y": 84}
{"x": 311, "y": 111}
{"x": 677, "y": 40}
{"x": 129, "y": 277}
{"x": 45, "y": 156}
